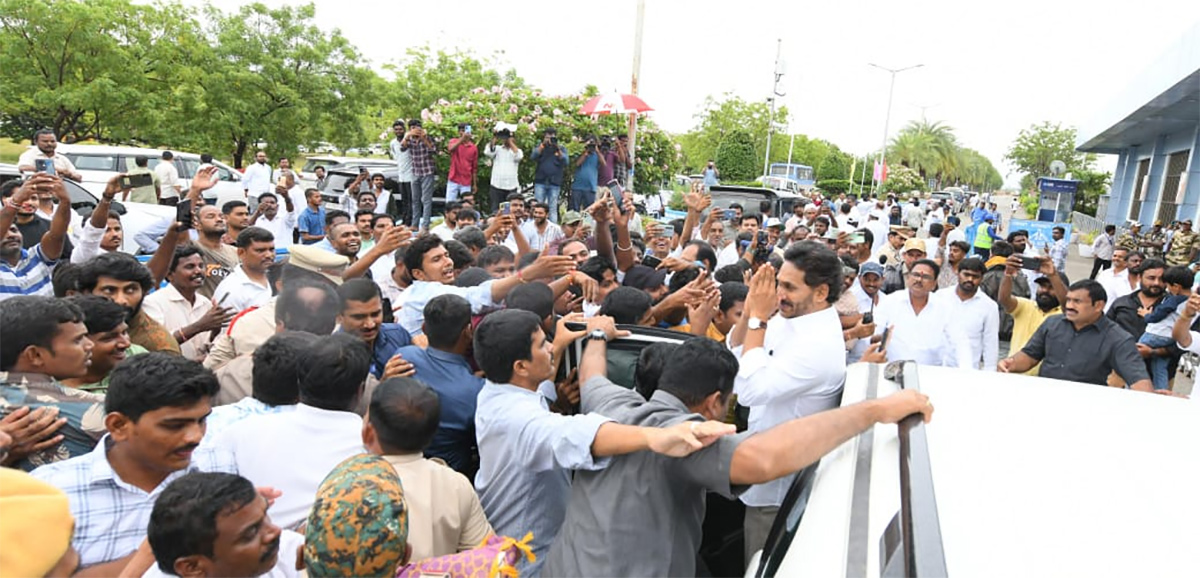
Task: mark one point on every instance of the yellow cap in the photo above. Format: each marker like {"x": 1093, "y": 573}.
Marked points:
{"x": 35, "y": 525}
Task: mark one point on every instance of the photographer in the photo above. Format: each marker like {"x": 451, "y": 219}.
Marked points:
{"x": 609, "y": 154}
{"x": 551, "y": 159}
{"x": 621, "y": 159}
{"x": 421, "y": 150}
{"x": 463, "y": 159}
{"x": 504, "y": 164}
{"x": 583, "y": 186}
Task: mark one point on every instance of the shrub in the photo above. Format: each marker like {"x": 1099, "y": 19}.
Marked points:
{"x": 736, "y": 158}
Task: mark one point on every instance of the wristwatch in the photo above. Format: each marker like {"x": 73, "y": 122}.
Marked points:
{"x": 755, "y": 324}
{"x": 598, "y": 335}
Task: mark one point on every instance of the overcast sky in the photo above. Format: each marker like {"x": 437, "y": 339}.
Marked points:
{"x": 990, "y": 68}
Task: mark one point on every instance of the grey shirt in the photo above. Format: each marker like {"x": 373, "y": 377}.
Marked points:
{"x": 1087, "y": 355}
{"x": 642, "y": 515}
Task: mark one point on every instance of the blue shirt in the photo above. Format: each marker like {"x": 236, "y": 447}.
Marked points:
{"x": 311, "y": 222}
{"x": 526, "y": 454}
{"x": 978, "y": 214}
{"x": 30, "y": 276}
{"x": 710, "y": 176}
{"x": 457, "y": 388}
{"x": 390, "y": 339}
{"x": 587, "y": 173}
{"x": 549, "y": 167}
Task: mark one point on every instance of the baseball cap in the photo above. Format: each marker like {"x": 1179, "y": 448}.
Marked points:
{"x": 914, "y": 245}
{"x": 643, "y": 277}
{"x": 870, "y": 267}
{"x": 571, "y": 218}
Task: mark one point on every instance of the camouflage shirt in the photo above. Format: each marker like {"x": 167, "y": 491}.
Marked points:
{"x": 1182, "y": 245}
{"x": 1156, "y": 241}
{"x": 84, "y": 412}
{"x": 1129, "y": 241}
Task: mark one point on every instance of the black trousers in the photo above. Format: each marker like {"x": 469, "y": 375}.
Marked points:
{"x": 1098, "y": 264}
{"x": 401, "y": 204}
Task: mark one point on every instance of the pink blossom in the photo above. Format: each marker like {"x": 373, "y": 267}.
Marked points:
{"x": 558, "y": 112}
{"x": 537, "y": 110}
{"x": 425, "y": 114}
{"x": 478, "y": 90}
{"x": 512, "y": 109}
{"x": 496, "y": 90}
{"x": 443, "y": 102}
{"x": 533, "y": 127}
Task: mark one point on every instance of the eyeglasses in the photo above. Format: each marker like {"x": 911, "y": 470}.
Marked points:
{"x": 920, "y": 277}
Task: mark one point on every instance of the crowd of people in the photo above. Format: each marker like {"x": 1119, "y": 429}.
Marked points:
{"x": 392, "y": 397}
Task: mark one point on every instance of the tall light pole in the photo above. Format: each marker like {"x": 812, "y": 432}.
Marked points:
{"x": 887, "y": 119}
{"x": 775, "y": 94}
{"x": 637, "y": 71}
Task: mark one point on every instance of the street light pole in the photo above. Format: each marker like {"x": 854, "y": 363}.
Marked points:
{"x": 637, "y": 71}
{"x": 887, "y": 119}
{"x": 775, "y": 94}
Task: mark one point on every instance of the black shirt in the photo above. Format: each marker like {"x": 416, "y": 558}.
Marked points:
{"x": 1124, "y": 311}
{"x": 31, "y": 234}
{"x": 1087, "y": 355}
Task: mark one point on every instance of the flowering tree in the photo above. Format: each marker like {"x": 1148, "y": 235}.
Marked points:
{"x": 533, "y": 111}
{"x": 902, "y": 179}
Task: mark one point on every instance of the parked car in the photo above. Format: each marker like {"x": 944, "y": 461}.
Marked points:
{"x": 750, "y": 198}
{"x": 98, "y": 163}
{"x": 1015, "y": 476}
{"x": 338, "y": 177}
{"x": 308, "y": 174}
{"x": 135, "y": 217}
{"x": 947, "y": 200}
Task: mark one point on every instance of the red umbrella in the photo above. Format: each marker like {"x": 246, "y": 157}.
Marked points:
{"x": 614, "y": 104}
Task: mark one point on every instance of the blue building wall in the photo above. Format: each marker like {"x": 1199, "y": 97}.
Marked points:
{"x": 1125, "y": 186}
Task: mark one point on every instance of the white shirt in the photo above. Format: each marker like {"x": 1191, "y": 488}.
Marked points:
{"x": 865, "y": 304}
{"x": 293, "y": 452}
{"x": 504, "y": 165}
{"x": 798, "y": 371}
{"x": 929, "y": 338}
{"x": 285, "y": 566}
{"x": 257, "y": 179}
{"x": 879, "y": 229}
{"x": 1115, "y": 284}
{"x": 240, "y": 292}
{"x": 421, "y": 292}
{"x": 403, "y": 161}
{"x": 62, "y": 164}
{"x": 168, "y": 307}
{"x": 443, "y": 232}
{"x": 728, "y": 255}
{"x": 168, "y": 175}
{"x": 956, "y": 235}
{"x": 281, "y": 226}
{"x": 978, "y": 318}
{"x": 540, "y": 240}
{"x": 88, "y": 245}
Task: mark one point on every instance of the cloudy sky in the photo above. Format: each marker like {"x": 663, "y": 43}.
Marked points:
{"x": 990, "y": 68}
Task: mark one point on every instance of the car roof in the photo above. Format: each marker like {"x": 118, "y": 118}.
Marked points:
{"x": 1048, "y": 469}
{"x": 765, "y": 192}
{"x": 119, "y": 150}
{"x": 347, "y": 160}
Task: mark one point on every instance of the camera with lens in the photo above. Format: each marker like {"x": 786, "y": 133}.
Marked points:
{"x": 503, "y": 134}
{"x": 606, "y": 143}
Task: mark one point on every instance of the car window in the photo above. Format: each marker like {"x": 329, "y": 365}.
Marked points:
{"x": 225, "y": 174}
{"x": 92, "y": 162}
{"x": 187, "y": 167}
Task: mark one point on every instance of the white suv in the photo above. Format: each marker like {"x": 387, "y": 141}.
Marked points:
{"x": 97, "y": 164}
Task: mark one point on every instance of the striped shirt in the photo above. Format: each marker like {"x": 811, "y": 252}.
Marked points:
{"x": 30, "y": 276}
{"x": 111, "y": 515}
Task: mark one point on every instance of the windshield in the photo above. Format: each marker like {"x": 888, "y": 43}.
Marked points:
{"x": 312, "y": 164}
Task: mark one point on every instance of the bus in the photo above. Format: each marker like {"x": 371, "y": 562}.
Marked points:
{"x": 802, "y": 174}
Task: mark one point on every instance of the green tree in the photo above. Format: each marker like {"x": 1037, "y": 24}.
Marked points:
{"x": 736, "y": 158}
{"x": 276, "y": 77}
{"x": 424, "y": 77}
{"x": 1039, "y": 145}
{"x": 96, "y": 69}
{"x": 718, "y": 119}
